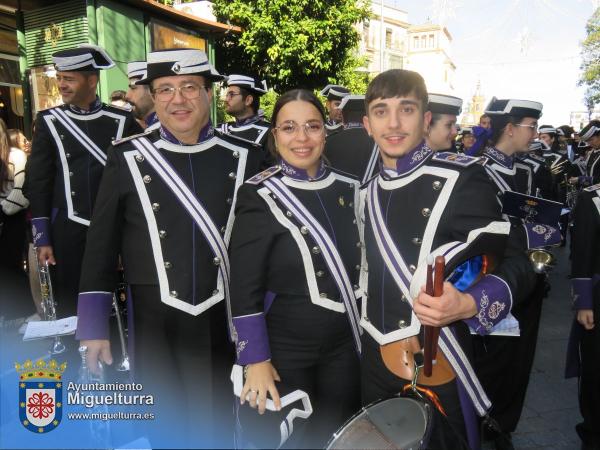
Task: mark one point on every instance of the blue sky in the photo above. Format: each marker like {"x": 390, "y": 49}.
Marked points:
{"x": 525, "y": 49}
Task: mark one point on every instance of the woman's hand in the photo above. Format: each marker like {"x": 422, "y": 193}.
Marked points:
{"x": 260, "y": 379}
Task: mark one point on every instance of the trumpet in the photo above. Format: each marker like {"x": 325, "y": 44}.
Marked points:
{"x": 541, "y": 259}
{"x": 48, "y": 303}
{"x": 558, "y": 168}
{"x": 123, "y": 365}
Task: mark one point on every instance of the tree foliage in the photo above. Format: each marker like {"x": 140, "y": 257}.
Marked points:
{"x": 292, "y": 43}
{"x": 590, "y": 53}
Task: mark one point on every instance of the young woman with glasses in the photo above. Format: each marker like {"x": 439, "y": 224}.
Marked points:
{"x": 295, "y": 262}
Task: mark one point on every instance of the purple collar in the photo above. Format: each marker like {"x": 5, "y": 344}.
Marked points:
{"x": 497, "y": 156}
{"x": 247, "y": 120}
{"x": 151, "y": 119}
{"x": 95, "y": 106}
{"x": 411, "y": 161}
{"x": 301, "y": 174}
{"x": 205, "y": 133}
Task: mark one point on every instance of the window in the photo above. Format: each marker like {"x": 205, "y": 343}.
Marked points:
{"x": 423, "y": 41}
{"x": 416, "y": 42}
{"x": 431, "y": 41}
{"x": 388, "y": 38}
{"x": 365, "y": 36}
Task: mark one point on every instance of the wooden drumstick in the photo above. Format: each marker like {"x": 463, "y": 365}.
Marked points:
{"x": 438, "y": 290}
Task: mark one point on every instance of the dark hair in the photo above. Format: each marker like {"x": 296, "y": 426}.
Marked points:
{"x": 302, "y": 95}
{"x": 484, "y": 115}
{"x": 397, "y": 83}
{"x": 555, "y": 143}
{"x": 499, "y": 123}
{"x": 118, "y": 95}
{"x": 255, "y": 98}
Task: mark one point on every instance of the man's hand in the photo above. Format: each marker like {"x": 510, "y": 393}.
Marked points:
{"x": 453, "y": 305}
{"x": 97, "y": 349}
{"x": 45, "y": 253}
{"x": 586, "y": 318}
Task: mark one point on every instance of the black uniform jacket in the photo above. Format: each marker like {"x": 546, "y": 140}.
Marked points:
{"x": 353, "y": 151}
{"x": 273, "y": 257}
{"x": 444, "y": 198}
{"x": 254, "y": 130}
{"x": 138, "y": 217}
{"x": 62, "y": 173}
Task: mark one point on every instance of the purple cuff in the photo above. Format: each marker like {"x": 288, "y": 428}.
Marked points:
{"x": 40, "y": 229}
{"x": 539, "y": 235}
{"x": 251, "y": 339}
{"x": 584, "y": 180}
{"x": 494, "y": 301}
{"x": 93, "y": 312}
{"x": 581, "y": 291}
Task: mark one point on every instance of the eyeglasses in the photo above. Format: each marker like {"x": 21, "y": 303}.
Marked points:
{"x": 533, "y": 127}
{"x": 232, "y": 94}
{"x": 290, "y": 128}
{"x": 188, "y": 91}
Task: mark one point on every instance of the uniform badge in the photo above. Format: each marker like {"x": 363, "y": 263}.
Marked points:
{"x": 262, "y": 176}
{"x": 40, "y": 395}
{"x": 341, "y": 201}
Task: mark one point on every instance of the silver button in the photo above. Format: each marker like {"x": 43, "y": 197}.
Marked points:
{"x": 139, "y": 158}
{"x": 53, "y": 119}
{"x": 273, "y": 196}
{"x": 354, "y": 221}
{"x": 288, "y": 213}
{"x": 75, "y": 213}
{"x": 236, "y": 154}
{"x": 162, "y": 234}
{"x": 70, "y": 174}
{"x": 155, "y": 207}
{"x": 232, "y": 175}
{"x": 72, "y": 193}
{"x": 401, "y": 324}
{"x": 366, "y": 269}
{"x": 357, "y": 267}
{"x": 303, "y": 230}
{"x": 320, "y": 273}
{"x": 223, "y": 229}
{"x": 173, "y": 293}
{"x": 366, "y": 319}
{"x": 351, "y": 204}
{"x": 350, "y": 185}
{"x": 147, "y": 179}
{"x": 168, "y": 265}
{"x": 68, "y": 155}
{"x": 229, "y": 201}
{"x": 216, "y": 260}
{"x": 426, "y": 212}
{"x": 403, "y": 298}
{"x": 316, "y": 250}
{"x": 437, "y": 185}
{"x": 359, "y": 244}
{"x": 62, "y": 136}
{"x": 323, "y": 295}
{"x": 412, "y": 268}
{"x": 417, "y": 241}
{"x": 215, "y": 292}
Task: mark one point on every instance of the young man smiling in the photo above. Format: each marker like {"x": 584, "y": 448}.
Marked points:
{"x": 425, "y": 203}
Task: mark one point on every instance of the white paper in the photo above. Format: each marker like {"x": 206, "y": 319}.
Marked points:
{"x": 509, "y": 326}
{"x": 49, "y": 328}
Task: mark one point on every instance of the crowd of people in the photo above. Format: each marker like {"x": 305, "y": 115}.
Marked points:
{"x": 266, "y": 258}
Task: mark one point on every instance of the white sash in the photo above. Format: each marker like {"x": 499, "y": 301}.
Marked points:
{"x": 76, "y": 132}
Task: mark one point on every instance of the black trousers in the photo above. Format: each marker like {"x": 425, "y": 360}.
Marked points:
{"x": 589, "y": 385}
{"x": 378, "y": 383}
{"x": 173, "y": 359}
{"x": 503, "y": 364}
{"x": 312, "y": 350}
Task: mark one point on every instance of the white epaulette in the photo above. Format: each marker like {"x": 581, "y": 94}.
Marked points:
{"x": 455, "y": 159}
{"x": 264, "y": 175}
{"x": 592, "y": 188}
{"x": 133, "y": 136}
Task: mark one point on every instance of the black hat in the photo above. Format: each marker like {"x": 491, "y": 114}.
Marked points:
{"x": 538, "y": 145}
{"x": 179, "y": 61}
{"x": 547, "y": 129}
{"x": 254, "y": 85}
{"x": 83, "y": 58}
{"x": 445, "y": 104}
{"x": 464, "y": 131}
{"x": 513, "y": 107}
{"x": 137, "y": 69}
{"x": 335, "y": 92}
{"x": 590, "y": 130}
{"x": 353, "y": 108}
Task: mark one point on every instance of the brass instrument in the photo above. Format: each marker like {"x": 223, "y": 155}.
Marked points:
{"x": 558, "y": 168}
{"x": 123, "y": 365}
{"x": 48, "y": 303}
{"x": 541, "y": 259}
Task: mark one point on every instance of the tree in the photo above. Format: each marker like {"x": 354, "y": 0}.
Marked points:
{"x": 292, "y": 43}
{"x": 590, "y": 53}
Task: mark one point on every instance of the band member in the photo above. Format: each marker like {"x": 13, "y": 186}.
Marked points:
{"x": 140, "y": 97}
{"x": 442, "y": 128}
{"x": 352, "y": 150}
{"x": 67, "y": 159}
{"x": 584, "y": 345}
{"x": 504, "y": 363}
{"x": 294, "y": 271}
{"x": 590, "y": 134}
{"x": 466, "y": 140}
{"x": 542, "y": 177}
{"x": 482, "y": 133}
{"x": 421, "y": 203}
{"x": 165, "y": 206}
{"x": 334, "y": 94}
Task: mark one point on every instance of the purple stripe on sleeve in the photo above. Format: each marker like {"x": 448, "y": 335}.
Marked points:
{"x": 252, "y": 343}
{"x": 40, "y": 229}
{"x": 493, "y": 300}
{"x": 93, "y": 312}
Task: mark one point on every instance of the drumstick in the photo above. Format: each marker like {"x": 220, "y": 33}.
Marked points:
{"x": 438, "y": 290}
{"x": 428, "y": 350}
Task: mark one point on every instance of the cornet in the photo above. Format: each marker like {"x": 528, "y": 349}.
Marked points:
{"x": 48, "y": 303}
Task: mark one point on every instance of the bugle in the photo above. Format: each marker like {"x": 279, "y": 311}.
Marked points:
{"x": 48, "y": 303}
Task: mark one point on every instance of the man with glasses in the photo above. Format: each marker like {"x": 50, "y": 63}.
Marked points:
{"x": 165, "y": 205}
